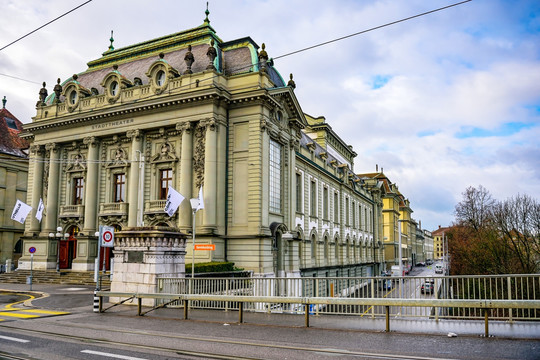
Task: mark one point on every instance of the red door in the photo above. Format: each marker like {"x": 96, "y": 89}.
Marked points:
{"x": 67, "y": 252}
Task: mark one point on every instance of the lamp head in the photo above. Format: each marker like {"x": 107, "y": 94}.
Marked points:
{"x": 59, "y": 229}
{"x": 194, "y": 203}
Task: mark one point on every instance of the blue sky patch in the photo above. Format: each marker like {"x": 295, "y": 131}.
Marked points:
{"x": 425, "y": 133}
{"x": 503, "y": 130}
{"x": 378, "y": 81}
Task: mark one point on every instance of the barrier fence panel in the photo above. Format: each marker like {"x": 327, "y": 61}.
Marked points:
{"x": 503, "y": 287}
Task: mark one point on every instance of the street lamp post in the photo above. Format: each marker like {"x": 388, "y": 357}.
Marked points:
{"x": 58, "y": 237}
{"x": 194, "y": 206}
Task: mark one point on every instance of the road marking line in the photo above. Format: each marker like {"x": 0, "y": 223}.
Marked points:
{"x": 14, "y": 339}
{"x": 17, "y": 315}
{"x": 50, "y": 312}
{"x": 109, "y": 355}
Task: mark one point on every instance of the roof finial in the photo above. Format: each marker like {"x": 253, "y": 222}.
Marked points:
{"x": 4, "y": 101}
{"x": 291, "y": 82}
{"x": 111, "y": 47}
{"x": 206, "y": 20}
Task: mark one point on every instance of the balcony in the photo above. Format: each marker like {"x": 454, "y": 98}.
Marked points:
{"x": 72, "y": 211}
{"x": 117, "y": 208}
{"x": 155, "y": 206}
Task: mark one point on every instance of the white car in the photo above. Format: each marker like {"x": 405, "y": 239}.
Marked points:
{"x": 438, "y": 269}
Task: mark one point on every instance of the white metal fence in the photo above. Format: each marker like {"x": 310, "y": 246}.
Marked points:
{"x": 504, "y": 287}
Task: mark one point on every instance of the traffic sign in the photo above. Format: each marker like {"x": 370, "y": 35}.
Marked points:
{"x": 32, "y": 250}
{"x": 106, "y": 235}
{"x": 205, "y": 247}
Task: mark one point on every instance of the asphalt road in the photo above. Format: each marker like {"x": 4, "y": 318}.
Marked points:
{"x": 163, "y": 334}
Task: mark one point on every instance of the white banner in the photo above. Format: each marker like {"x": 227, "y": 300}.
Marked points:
{"x": 20, "y": 211}
{"x": 201, "y": 201}
{"x": 174, "y": 199}
{"x": 39, "y": 212}
{"x": 106, "y": 236}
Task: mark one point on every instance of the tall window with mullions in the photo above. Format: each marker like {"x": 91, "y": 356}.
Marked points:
{"x": 275, "y": 177}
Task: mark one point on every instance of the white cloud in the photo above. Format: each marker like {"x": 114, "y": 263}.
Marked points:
{"x": 474, "y": 66}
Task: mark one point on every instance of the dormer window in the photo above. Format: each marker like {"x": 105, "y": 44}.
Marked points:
{"x": 73, "y": 97}
{"x": 160, "y": 78}
{"x": 114, "y": 88}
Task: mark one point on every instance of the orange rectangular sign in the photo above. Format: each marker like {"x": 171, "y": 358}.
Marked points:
{"x": 205, "y": 247}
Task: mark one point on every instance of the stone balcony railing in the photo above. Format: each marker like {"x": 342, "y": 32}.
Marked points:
{"x": 155, "y": 206}
{"x": 117, "y": 208}
{"x": 72, "y": 211}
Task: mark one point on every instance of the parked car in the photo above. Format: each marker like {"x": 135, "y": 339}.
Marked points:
{"x": 421, "y": 264}
{"x": 427, "y": 287}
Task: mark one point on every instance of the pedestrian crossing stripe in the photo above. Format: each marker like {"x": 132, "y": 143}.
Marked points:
{"x": 17, "y": 315}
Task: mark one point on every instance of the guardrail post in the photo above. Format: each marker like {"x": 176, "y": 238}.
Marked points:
{"x": 139, "y": 306}
{"x": 387, "y": 310}
{"x": 186, "y": 305}
{"x": 100, "y": 304}
{"x": 509, "y": 285}
{"x": 240, "y": 312}
{"x": 307, "y": 314}
{"x": 486, "y": 324}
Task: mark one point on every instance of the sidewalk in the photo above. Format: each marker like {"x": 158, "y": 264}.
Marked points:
{"x": 79, "y": 299}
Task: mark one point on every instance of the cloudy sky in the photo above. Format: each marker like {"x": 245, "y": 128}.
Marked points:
{"x": 441, "y": 102}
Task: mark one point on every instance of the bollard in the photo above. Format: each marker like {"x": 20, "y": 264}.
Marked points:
{"x": 96, "y": 302}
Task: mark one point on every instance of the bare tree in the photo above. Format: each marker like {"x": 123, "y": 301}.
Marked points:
{"x": 517, "y": 222}
{"x": 475, "y": 208}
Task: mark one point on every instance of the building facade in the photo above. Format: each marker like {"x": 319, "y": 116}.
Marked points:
{"x": 190, "y": 110}
{"x": 13, "y": 183}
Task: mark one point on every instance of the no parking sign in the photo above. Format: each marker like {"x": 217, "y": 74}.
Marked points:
{"x": 106, "y": 236}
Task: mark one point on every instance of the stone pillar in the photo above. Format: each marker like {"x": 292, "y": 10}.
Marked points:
{"x": 91, "y": 186}
{"x": 133, "y": 181}
{"x": 37, "y": 185}
{"x": 186, "y": 175}
{"x": 51, "y": 219}
{"x": 210, "y": 173}
{"x": 144, "y": 254}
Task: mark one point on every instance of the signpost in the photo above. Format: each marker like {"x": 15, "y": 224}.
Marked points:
{"x": 31, "y": 250}
{"x": 210, "y": 247}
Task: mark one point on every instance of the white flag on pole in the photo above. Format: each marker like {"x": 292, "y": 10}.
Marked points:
{"x": 201, "y": 200}
{"x": 39, "y": 212}
{"x": 20, "y": 211}
{"x": 174, "y": 198}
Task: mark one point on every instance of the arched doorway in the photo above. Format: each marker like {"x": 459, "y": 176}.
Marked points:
{"x": 67, "y": 250}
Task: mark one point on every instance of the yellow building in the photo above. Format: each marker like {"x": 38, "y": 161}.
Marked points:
{"x": 13, "y": 185}
{"x": 439, "y": 242}
{"x": 189, "y": 110}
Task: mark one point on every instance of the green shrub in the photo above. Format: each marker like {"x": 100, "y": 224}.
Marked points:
{"x": 212, "y": 267}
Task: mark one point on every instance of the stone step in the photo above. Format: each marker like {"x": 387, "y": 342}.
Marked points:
{"x": 52, "y": 277}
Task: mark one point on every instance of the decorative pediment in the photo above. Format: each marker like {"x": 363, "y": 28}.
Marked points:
{"x": 166, "y": 153}
{"x": 118, "y": 158}
{"x": 76, "y": 163}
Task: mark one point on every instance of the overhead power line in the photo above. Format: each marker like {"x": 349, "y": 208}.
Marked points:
{"x": 42, "y": 26}
{"x": 371, "y": 29}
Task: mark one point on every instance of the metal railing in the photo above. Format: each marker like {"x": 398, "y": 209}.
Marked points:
{"x": 436, "y": 288}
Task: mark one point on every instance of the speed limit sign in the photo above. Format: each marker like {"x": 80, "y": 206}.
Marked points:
{"x": 106, "y": 234}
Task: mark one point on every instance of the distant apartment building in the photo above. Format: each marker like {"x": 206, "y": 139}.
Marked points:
{"x": 13, "y": 183}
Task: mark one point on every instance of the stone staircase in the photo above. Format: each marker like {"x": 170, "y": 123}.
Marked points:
{"x": 64, "y": 277}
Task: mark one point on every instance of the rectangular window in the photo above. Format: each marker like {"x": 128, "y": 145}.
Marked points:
{"x": 325, "y": 203}
{"x": 353, "y": 215}
{"x": 275, "y": 177}
{"x": 165, "y": 180}
{"x": 336, "y": 207}
{"x": 313, "y": 198}
{"x": 298, "y": 192}
{"x": 78, "y": 190}
{"x": 347, "y": 211}
{"x": 119, "y": 187}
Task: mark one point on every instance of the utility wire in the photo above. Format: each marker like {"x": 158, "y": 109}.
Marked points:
{"x": 368, "y": 30}
{"x": 18, "y": 78}
{"x": 42, "y": 26}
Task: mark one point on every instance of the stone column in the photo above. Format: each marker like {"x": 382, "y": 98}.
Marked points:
{"x": 186, "y": 175}
{"x": 91, "y": 186}
{"x": 52, "y": 190}
{"x": 210, "y": 173}
{"x": 37, "y": 185}
{"x": 133, "y": 181}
